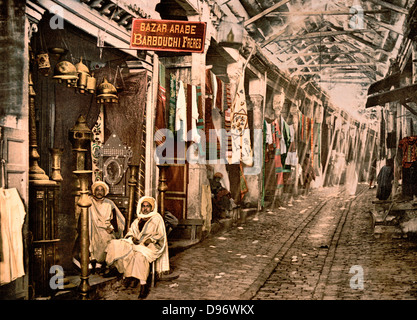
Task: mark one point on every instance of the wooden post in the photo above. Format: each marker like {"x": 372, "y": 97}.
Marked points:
{"x": 132, "y": 183}
{"x": 84, "y": 203}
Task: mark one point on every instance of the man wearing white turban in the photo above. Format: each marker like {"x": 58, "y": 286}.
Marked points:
{"x": 145, "y": 242}
{"x": 106, "y": 222}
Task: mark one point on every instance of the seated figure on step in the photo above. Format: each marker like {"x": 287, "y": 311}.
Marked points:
{"x": 144, "y": 243}
{"x": 222, "y": 201}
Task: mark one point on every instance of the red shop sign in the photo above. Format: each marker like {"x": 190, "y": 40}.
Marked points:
{"x": 168, "y": 35}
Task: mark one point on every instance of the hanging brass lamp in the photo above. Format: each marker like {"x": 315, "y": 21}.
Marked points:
{"x": 106, "y": 92}
{"x": 65, "y": 72}
{"x": 83, "y": 74}
{"x": 43, "y": 63}
{"x": 91, "y": 83}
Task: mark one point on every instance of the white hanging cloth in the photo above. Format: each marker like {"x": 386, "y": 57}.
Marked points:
{"x": 12, "y": 216}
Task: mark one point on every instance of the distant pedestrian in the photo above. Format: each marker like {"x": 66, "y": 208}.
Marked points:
{"x": 372, "y": 174}
{"x": 384, "y": 180}
{"x": 308, "y": 173}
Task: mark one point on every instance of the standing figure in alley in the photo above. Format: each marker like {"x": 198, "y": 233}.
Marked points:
{"x": 308, "y": 173}
{"x": 372, "y": 174}
{"x": 145, "y": 242}
{"x": 106, "y": 223}
{"x": 222, "y": 201}
{"x": 384, "y": 180}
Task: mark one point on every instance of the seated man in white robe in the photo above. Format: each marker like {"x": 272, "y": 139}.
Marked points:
{"x": 145, "y": 242}
{"x": 106, "y": 222}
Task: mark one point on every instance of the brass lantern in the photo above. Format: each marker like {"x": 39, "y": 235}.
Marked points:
{"x": 80, "y": 137}
{"x": 83, "y": 74}
{"x": 106, "y": 92}
{"x": 66, "y": 72}
{"x": 43, "y": 63}
{"x": 91, "y": 83}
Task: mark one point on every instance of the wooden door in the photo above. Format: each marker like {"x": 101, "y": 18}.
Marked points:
{"x": 176, "y": 195}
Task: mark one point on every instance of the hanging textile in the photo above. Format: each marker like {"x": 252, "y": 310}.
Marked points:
{"x": 241, "y": 145}
{"x": 181, "y": 113}
{"x": 160, "y": 122}
{"x": 215, "y": 112}
{"x": 96, "y": 144}
{"x": 276, "y": 136}
{"x": 228, "y": 121}
{"x": 211, "y": 137}
{"x": 194, "y": 115}
{"x": 408, "y": 146}
{"x": 319, "y": 142}
{"x": 292, "y": 157}
{"x": 172, "y": 102}
{"x": 200, "y": 121}
{"x": 12, "y": 216}
{"x": 219, "y": 95}
{"x": 264, "y": 153}
{"x": 312, "y": 141}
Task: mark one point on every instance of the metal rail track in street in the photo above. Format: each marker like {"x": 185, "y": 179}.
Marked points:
{"x": 282, "y": 251}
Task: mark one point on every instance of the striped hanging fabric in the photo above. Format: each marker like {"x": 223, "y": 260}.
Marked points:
{"x": 312, "y": 142}
{"x": 276, "y": 137}
{"x": 211, "y": 136}
{"x": 241, "y": 144}
{"x": 172, "y": 102}
{"x": 227, "y": 120}
{"x": 160, "y": 122}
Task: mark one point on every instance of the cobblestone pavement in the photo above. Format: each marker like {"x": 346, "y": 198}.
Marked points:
{"x": 304, "y": 251}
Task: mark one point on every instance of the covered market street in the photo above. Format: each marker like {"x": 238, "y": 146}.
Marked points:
{"x": 323, "y": 247}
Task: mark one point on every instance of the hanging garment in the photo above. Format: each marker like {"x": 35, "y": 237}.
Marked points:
{"x": 12, "y": 216}
{"x": 241, "y": 144}
{"x": 268, "y": 137}
{"x": 172, "y": 102}
{"x": 292, "y": 156}
{"x": 211, "y": 136}
{"x": 384, "y": 181}
{"x": 408, "y": 146}
{"x": 160, "y": 122}
{"x": 227, "y": 121}
{"x": 276, "y": 136}
{"x": 200, "y": 122}
{"x": 194, "y": 116}
{"x": 219, "y": 95}
{"x": 181, "y": 113}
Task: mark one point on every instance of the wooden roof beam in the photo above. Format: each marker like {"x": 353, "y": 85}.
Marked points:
{"x": 384, "y": 25}
{"x": 298, "y": 66}
{"x": 324, "y": 13}
{"x": 265, "y": 12}
{"x": 390, "y": 6}
{"x": 322, "y": 34}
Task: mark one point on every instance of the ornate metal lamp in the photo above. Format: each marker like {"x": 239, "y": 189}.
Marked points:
{"x": 91, "y": 83}
{"x": 65, "y": 72}
{"x": 80, "y": 137}
{"x": 106, "y": 92}
{"x": 83, "y": 74}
